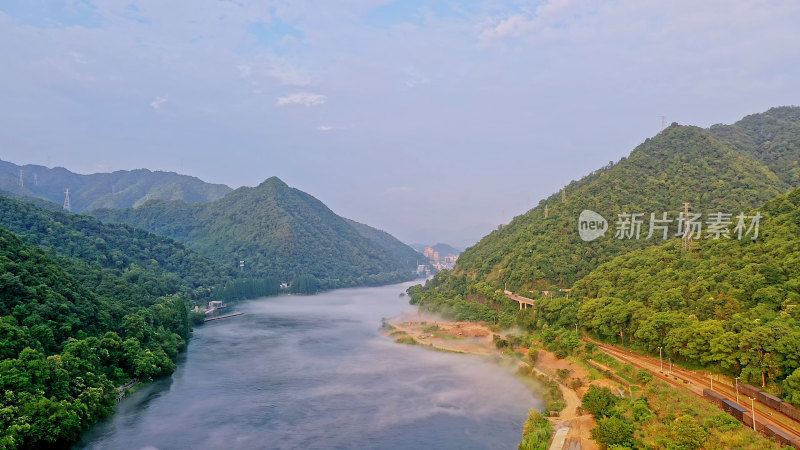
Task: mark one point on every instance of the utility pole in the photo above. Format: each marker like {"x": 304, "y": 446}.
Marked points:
{"x": 737, "y": 389}
{"x": 660, "y": 360}
{"x": 753, "y": 408}
{"x": 670, "y": 366}
{"x": 687, "y": 236}
{"x": 710, "y": 377}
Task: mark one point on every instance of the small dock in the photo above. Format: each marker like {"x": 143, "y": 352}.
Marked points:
{"x": 209, "y": 319}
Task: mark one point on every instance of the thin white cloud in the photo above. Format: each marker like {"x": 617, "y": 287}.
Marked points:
{"x": 552, "y": 13}
{"x": 414, "y": 77}
{"x": 326, "y": 128}
{"x": 78, "y": 57}
{"x": 245, "y": 70}
{"x": 158, "y": 102}
{"x": 302, "y": 98}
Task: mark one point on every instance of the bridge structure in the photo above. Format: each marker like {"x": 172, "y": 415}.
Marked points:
{"x": 524, "y": 302}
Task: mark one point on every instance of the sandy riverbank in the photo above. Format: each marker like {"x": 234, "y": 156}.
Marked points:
{"x": 477, "y": 338}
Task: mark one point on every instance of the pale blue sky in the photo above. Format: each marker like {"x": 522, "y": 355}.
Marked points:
{"x": 435, "y": 121}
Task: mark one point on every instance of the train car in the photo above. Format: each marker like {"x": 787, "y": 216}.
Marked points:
{"x": 747, "y": 420}
{"x": 734, "y": 409}
{"x": 781, "y": 436}
{"x": 713, "y": 397}
{"x": 749, "y": 390}
{"x": 769, "y": 400}
{"x": 790, "y": 411}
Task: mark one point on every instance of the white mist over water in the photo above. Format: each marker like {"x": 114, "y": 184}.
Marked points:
{"x": 314, "y": 372}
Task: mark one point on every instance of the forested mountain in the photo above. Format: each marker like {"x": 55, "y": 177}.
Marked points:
{"x": 120, "y": 189}
{"x": 772, "y": 137}
{"x": 158, "y": 264}
{"x": 681, "y": 164}
{"x": 277, "y": 231}
{"x": 727, "y": 303}
{"x": 391, "y": 244}
{"x": 69, "y": 335}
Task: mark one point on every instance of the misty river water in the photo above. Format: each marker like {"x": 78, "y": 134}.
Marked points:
{"x": 314, "y": 372}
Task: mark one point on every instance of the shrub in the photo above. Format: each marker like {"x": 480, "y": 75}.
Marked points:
{"x": 643, "y": 376}
{"x": 537, "y": 432}
{"x": 723, "y": 422}
{"x": 687, "y": 433}
{"x": 613, "y": 431}
{"x": 641, "y": 411}
{"x": 533, "y": 355}
{"x": 575, "y": 383}
{"x": 599, "y": 401}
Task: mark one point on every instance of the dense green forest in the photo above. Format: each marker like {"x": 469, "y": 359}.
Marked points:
{"x": 729, "y": 305}
{"x": 278, "y": 232}
{"x": 120, "y": 189}
{"x": 726, "y": 304}
{"x": 70, "y": 334}
{"x": 158, "y": 264}
{"x": 681, "y": 164}
{"x": 772, "y": 137}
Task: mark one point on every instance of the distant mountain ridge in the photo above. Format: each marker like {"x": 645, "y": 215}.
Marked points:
{"x": 120, "y": 189}
{"x": 277, "y": 231}
{"x": 443, "y": 249}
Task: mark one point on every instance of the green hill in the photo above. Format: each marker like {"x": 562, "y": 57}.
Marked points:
{"x": 731, "y": 305}
{"x": 772, "y": 137}
{"x": 681, "y": 164}
{"x": 162, "y": 265}
{"x": 277, "y": 231}
{"x": 120, "y": 189}
{"x": 69, "y": 335}
{"x": 391, "y": 244}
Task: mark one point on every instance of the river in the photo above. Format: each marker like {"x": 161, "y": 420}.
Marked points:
{"x": 314, "y": 372}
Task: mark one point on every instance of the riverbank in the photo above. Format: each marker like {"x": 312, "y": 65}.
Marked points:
{"x": 479, "y": 339}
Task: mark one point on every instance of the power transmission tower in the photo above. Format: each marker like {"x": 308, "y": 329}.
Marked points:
{"x": 687, "y": 235}
{"x": 66, "y": 201}
{"x": 21, "y": 183}
{"x": 36, "y": 179}
{"x": 564, "y": 194}
{"x": 546, "y": 212}
{"x": 663, "y": 122}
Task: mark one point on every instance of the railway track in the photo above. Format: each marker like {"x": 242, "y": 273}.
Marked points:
{"x": 695, "y": 383}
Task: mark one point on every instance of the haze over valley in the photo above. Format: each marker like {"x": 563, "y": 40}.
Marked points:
{"x": 398, "y": 224}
